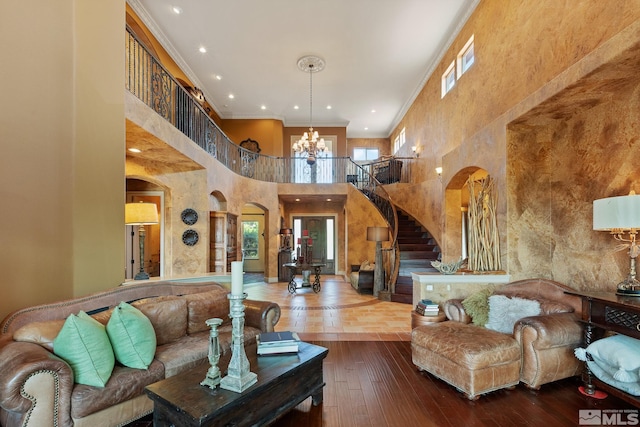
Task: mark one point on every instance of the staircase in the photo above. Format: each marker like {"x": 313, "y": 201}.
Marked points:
{"x": 417, "y": 249}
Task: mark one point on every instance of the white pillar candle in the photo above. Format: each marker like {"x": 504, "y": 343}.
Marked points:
{"x": 236, "y": 278}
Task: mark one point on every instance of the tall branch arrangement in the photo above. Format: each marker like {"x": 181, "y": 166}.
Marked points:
{"x": 484, "y": 240}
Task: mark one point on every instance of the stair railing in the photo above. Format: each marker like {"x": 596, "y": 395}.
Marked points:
{"x": 149, "y": 81}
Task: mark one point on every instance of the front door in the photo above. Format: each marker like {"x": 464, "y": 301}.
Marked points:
{"x": 321, "y": 231}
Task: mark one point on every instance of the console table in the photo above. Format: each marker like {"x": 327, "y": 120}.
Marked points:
{"x": 606, "y": 311}
{"x": 295, "y": 267}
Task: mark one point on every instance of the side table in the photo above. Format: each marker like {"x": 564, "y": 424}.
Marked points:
{"x": 418, "y": 319}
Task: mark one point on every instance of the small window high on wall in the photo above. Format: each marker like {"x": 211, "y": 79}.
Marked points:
{"x": 399, "y": 141}
{"x": 449, "y": 79}
{"x": 466, "y": 57}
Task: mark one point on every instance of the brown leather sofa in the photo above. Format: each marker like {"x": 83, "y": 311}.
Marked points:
{"x": 37, "y": 387}
{"x": 477, "y": 360}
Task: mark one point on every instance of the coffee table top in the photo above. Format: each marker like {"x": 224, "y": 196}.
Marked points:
{"x": 185, "y": 392}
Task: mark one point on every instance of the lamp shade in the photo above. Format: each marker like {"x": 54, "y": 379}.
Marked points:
{"x": 140, "y": 213}
{"x": 377, "y": 234}
{"x": 622, "y": 212}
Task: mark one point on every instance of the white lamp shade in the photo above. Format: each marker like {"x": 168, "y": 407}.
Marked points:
{"x": 377, "y": 234}
{"x": 622, "y": 212}
{"x": 140, "y": 213}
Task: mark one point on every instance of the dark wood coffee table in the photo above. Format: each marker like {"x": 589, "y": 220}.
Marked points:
{"x": 284, "y": 381}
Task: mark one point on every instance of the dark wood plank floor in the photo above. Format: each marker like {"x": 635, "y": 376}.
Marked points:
{"x": 375, "y": 384}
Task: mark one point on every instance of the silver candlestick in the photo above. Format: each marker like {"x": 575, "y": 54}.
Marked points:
{"x": 239, "y": 377}
{"x": 212, "y": 380}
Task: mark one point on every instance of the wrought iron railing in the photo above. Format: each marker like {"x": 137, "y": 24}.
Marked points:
{"x": 148, "y": 80}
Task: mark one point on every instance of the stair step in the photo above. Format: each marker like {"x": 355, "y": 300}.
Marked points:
{"x": 414, "y": 254}
{"x": 404, "y": 288}
{"x": 402, "y": 298}
{"x": 404, "y": 280}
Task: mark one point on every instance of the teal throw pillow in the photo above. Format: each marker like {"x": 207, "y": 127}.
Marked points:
{"x": 83, "y": 343}
{"x": 132, "y": 336}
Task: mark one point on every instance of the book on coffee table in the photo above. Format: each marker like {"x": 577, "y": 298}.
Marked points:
{"x": 277, "y": 342}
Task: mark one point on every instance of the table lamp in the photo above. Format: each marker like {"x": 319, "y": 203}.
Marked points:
{"x": 378, "y": 235}
{"x": 141, "y": 214}
{"x": 620, "y": 216}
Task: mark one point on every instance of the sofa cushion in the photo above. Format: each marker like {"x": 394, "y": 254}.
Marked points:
{"x": 168, "y": 315}
{"x": 124, "y": 384}
{"x": 477, "y": 306}
{"x": 132, "y": 337}
{"x": 42, "y": 333}
{"x": 204, "y": 306}
{"x": 83, "y": 343}
{"x": 469, "y": 346}
{"x": 504, "y": 312}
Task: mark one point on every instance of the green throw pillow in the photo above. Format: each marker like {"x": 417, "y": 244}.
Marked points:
{"x": 83, "y": 343}
{"x": 132, "y": 336}
{"x": 477, "y": 306}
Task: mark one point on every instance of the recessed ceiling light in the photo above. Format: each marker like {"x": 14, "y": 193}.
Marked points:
{"x": 366, "y": 128}
{"x": 231, "y": 96}
{"x": 135, "y": 150}
{"x": 203, "y": 49}
{"x": 297, "y": 200}
{"x": 295, "y": 107}
{"x": 328, "y": 200}
{"x": 328, "y": 107}
{"x": 177, "y": 10}
{"x": 218, "y": 77}
{"x": 373, "y": 111}
{"x": 263, "y": 107}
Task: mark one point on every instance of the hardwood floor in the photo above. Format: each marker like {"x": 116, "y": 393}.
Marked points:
{"x": 376, "y": 384}
{"x": 371, "y": 381}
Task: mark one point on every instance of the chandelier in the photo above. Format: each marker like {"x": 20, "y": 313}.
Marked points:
{"x": 310, "y": 144}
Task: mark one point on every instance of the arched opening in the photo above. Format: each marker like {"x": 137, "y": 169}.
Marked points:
{"x": 138, "y": 190}
{"x": 254, "y": 234}
{"x": 456, "y": 207}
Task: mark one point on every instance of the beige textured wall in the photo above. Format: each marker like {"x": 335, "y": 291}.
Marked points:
{"x": 62, "y": 162}
{"x": 523, "y": 51}
{"x": 580, "y": 145}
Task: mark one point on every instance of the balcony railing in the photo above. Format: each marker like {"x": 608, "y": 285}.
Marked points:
{"x": 148, "y": 80}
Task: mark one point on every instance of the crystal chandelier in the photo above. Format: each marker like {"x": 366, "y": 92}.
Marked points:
{"x": 310, "y": 144}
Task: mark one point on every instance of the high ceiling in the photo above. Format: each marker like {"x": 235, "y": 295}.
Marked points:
{"x": 378, "y": 55}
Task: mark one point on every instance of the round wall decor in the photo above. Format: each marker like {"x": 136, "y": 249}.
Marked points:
{"x": 190, "y": 237}
{"x": 189, "y": 216}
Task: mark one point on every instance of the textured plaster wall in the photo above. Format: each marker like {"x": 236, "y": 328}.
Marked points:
{"x": 191, "y": 176}
{"x": 580, "y": 145}
{"x": 526, "y": 52}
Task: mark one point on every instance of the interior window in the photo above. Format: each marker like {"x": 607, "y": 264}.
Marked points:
{"x": 362, "y": 154}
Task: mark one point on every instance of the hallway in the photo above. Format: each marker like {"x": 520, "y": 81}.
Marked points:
{"x": 336, "y": 313}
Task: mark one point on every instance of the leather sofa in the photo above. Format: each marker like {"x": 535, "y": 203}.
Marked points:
{"x": 37, "y": 387}
{"x": 477, "y": 360}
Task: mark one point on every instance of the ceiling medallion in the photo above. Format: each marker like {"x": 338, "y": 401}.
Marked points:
{"x": 310, "y": 144}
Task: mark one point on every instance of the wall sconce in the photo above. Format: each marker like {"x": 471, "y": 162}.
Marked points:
{"x": 620, "y": 216}
{"x": 439, "y": 172}
{"x": 415, "y": 151}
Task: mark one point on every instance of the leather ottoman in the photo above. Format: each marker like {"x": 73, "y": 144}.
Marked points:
{"x": 473, "y": 359}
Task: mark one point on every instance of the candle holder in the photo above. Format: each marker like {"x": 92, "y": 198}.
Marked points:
{"x": 212, "y": 380}
{"x": 239, "y": 377}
